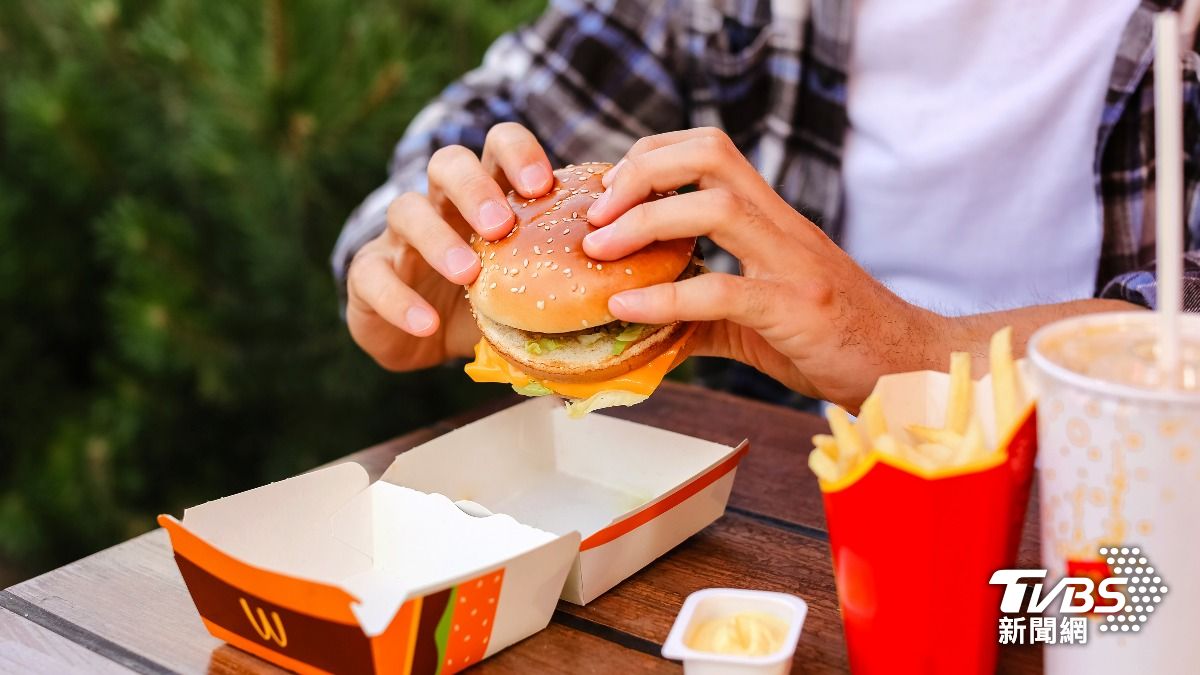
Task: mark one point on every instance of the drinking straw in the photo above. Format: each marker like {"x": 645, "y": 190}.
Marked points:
{"x": 1168, "y": 143}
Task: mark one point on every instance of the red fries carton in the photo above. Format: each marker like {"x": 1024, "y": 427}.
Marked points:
{"x": 915, "y": 543}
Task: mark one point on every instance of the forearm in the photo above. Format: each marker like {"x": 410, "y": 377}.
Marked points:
{"x": 972, "y": 333}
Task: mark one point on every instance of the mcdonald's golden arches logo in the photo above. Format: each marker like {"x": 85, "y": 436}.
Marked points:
{"x": 267, "y": 630}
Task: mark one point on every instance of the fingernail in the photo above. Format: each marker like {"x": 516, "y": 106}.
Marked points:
{"x": 597, "y": 207}
{"x": 419, "y": 318}
{"x": 533, "y": 178}
{"x": 627, "y": 300}
{"x": 460, "y": 260}
{"x": 493, "y": 215}
{"x": 598, "y": 238}
{"x": 611, "y": 174}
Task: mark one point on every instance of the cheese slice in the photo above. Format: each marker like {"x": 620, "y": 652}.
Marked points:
{"x": 489, "y": 366}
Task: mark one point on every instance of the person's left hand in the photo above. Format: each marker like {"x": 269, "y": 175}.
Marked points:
{"x": 802, "y": 312}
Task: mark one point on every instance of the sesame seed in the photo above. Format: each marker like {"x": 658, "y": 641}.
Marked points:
{"x": 514, "y": 271}
{"x": 505, "y": 271}
{"x": 491, "y": 255}
{"x": 567, "y": 271}
{"x": 473, "y": 238}
{"x": 599, "y": 266}
{"x": 589, "y": 265}
{"x": 525, "y": 262}
{"x": 558, "y": 203}
{"x": 550, "y": 240}
{"x": 553, "y": 266}
{"x": 534, "y": 275}
{"x": 541, "y": 304}
{"x": 554, "y": 222}
{"x": 574, "y": 214}
{"x": 521, "y": 289}
{"x": 567, "y": 231}
{"x": 537, "y": 250}
{"x": 573, "y": 287}
{"x": 513, "y": 289}
{"x": 495, "y": 267}
{"x": 582, "y": 290}
{"x": 492, "y": 285}
{"x": 552, "y": 296}
{"x": 514, "y": 250}
{"x": 585, "y": 323}
{"x": 549, "y": 251}
{"x": 595, "y": 195}
{"x": 628, "y": 271}
{"x": 567, "y": 249}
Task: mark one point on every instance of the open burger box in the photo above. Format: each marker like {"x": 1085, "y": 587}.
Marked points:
{"x": 459, "y": 550}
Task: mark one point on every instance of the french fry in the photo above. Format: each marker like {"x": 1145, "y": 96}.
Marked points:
{"x": 826, "y": 444}
{"x": 959, "y": 404}
{"x": 1004, "y": 380}
{"x": 925, "y": 434}
{"x": 871, "y": 417}
{"x": 937, "y": 453}
{"x": 822, "y": 465}
{"x": 849, "y": 443}
{"x": 890, "y": 447}
{"x": 973, "y": 446}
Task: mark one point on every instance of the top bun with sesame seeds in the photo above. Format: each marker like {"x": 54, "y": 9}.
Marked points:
{"x": 538, "y": 279}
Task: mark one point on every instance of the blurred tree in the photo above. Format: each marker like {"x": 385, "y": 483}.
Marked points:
{"x": 172, "y": 176}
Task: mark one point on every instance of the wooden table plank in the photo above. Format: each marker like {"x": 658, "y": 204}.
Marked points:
{"x": 26, "y": 647}
{"x": 131, "y": 596}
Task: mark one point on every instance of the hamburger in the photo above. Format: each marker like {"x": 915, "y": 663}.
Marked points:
{"x": 542, "y": 304}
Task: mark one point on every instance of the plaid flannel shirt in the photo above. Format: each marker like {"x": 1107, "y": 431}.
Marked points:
{"x": 590, "y": 77}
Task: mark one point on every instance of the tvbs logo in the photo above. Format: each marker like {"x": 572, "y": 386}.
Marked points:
{"x": 1121, "y": 588}
{"x": 1077, "y": 595}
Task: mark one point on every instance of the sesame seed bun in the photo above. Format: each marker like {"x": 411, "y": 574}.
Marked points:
{"x": 539, "y": 280}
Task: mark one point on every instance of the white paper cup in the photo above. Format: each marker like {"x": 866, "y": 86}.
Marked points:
{"x": 1119, "y": 465}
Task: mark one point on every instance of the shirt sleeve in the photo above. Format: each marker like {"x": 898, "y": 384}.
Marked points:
{"x": 1141, "y": 286}
{"x": 588, "y": 78}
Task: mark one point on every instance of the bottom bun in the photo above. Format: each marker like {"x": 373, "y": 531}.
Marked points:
{"x": 573, "y": 361}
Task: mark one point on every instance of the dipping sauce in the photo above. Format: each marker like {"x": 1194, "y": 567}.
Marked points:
{"x": 742, "y": 634}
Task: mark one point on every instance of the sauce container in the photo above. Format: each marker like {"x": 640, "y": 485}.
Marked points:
{"x": 718, "y": 603}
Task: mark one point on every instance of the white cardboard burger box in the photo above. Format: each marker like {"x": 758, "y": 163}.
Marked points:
{"x": 328, "y": 572}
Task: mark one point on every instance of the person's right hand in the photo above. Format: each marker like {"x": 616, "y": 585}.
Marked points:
{"x": 406, "y": 302}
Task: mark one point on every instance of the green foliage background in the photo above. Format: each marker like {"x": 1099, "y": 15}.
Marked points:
{"x": 173, "y": 174}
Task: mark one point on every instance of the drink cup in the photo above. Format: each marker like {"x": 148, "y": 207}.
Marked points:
{"x": 1119, "y": 470}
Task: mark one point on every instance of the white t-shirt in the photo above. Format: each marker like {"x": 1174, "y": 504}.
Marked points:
{"x": 968, "y": 168}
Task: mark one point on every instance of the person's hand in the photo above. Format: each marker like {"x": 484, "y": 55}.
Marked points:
{"x": 406, "y": 306}
{"x": 802, "y": 312}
